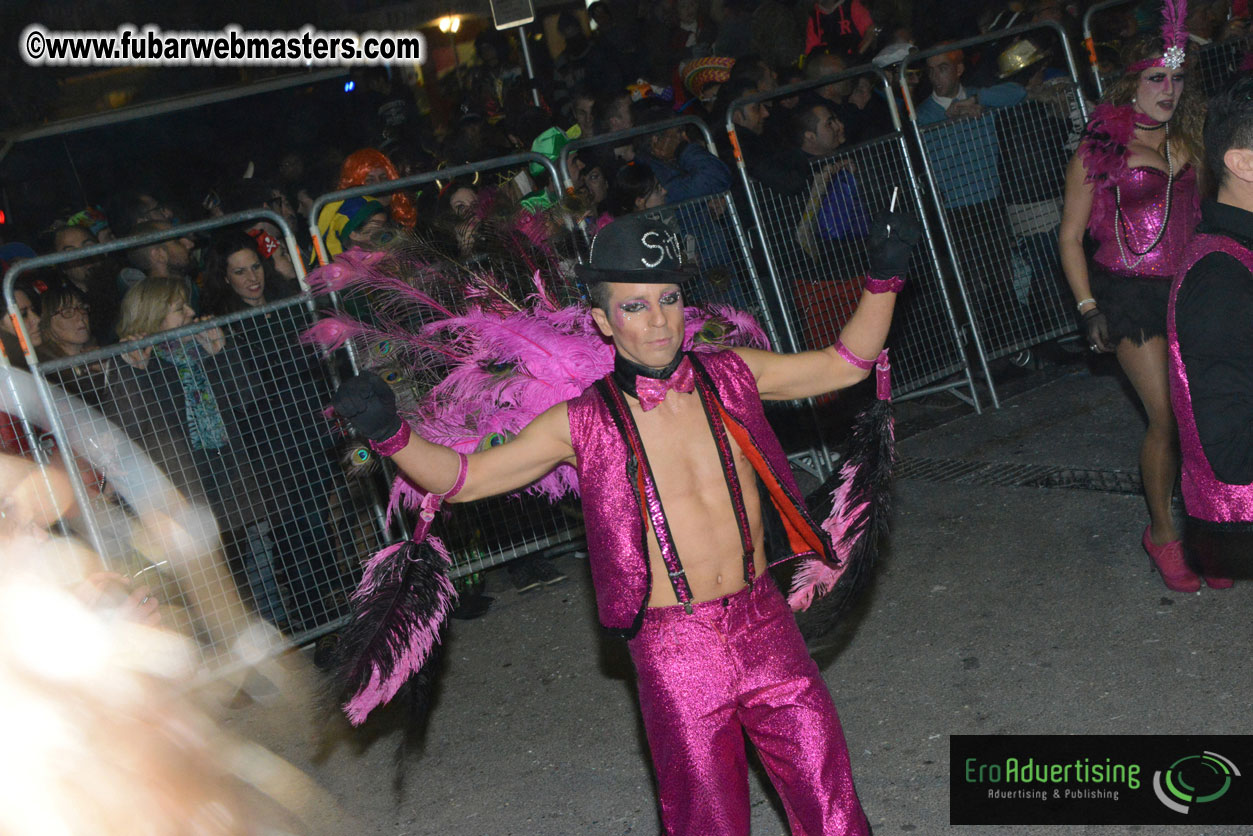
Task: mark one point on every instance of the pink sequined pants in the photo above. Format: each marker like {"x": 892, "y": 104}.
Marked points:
{"x": 739, "y": 664}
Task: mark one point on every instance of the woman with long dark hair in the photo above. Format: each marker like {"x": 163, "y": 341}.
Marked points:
{"x": 1133, "y": 187}
{"x": 236, "y": 277}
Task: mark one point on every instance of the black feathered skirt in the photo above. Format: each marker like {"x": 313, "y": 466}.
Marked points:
{"x": 1134, "y": 306}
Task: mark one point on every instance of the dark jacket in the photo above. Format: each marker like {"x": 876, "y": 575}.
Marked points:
{"x": 150, "y": 406}
{"x": 694, "y": 172}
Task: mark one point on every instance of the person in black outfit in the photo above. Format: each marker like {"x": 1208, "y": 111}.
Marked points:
{"x": 1210, "y": 333}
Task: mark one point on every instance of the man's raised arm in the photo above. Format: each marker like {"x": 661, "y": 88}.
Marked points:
{"x": 369, "y": 405}
{"x": 806, "y": 374}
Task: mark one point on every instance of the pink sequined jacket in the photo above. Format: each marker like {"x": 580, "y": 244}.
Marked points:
{"x": 611, "y": 487}
{"x": 1204, "y": 496}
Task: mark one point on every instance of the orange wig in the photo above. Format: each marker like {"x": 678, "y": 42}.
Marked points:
{"x": 359, "y": 164}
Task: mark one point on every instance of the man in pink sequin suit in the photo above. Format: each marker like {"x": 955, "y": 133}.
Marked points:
{"x": 1210, "y": 330}
{"x": 669, "y": 449}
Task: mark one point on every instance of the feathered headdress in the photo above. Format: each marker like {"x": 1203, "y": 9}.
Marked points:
{"x": 1174, "y": 38}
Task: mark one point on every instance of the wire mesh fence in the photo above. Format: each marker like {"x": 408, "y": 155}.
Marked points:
{"x": 818, "y": 240}
{"x": 205, "y": 467}
{"x": 1003, "y": 235}
{"x": 1220, "y": 62}
{"x": 231, "y": 412}
{"x": 996, "y": 168}
{"x": 812, "y": 214}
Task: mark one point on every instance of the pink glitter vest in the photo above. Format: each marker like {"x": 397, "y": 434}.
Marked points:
{"x": 614, "y": 517}
{"x": 1204, "y": 496}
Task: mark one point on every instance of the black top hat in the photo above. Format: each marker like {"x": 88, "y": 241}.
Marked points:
{"x": 636, "y": 249}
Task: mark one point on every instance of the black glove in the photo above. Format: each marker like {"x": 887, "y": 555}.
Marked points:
{"x": 1097, "y": 328}
{"x": 893, "y": 236}
{"x": 369, "y": 404}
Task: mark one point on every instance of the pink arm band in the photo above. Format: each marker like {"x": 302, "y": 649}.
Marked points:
{"x": 853, "y": 360}
{"x": 883, "y": 369}
{"x": 892, "y": 285}
{"x": 393, "y": 445}
{"x": 463, "y": 469}
{"x": 431, "y": 502}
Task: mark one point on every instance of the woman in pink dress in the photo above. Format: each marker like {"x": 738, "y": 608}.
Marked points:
{"x": 1132, "y": 187}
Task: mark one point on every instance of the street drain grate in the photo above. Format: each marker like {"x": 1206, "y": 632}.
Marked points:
{"x": 1009, "y": 475}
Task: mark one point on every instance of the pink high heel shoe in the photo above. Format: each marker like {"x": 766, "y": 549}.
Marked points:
{"x": 1168, "y": 559}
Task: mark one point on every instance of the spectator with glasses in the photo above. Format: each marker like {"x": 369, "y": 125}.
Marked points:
{"x": 64, "y": 326}
{"x": 64, "y": 323}
{"x": 94, "y": 276}
{"x": 129, "y": 208}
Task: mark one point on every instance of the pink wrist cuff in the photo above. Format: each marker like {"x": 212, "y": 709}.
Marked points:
{"x": 893, "y": 285}
{"x": 393, "y": 445}
{"x": 853, "y": 360}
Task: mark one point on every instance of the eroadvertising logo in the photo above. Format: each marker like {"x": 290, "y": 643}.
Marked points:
{"x": 1194, "y": 779}
{"x": 1099, "y": 779}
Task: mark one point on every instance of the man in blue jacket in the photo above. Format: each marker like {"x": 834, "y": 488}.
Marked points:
{"x": 963, "y": 149}
{"x": 686, "y": 169}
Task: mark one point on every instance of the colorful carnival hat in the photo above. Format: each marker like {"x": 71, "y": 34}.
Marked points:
{"x": 549, "y": 144}
{"x": 341, "y": 218}
{"x": 699, "y": 73}
{"x": 1174, "y": 38}
{"x": 1018, "y": 57}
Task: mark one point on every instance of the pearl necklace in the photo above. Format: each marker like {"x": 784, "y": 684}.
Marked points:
{"x": 1119, "y": 235}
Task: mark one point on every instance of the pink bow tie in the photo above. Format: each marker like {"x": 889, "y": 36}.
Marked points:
{"x": 652, "y": 391}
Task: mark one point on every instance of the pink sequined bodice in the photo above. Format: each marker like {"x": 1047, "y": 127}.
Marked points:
{"x": 1143, "y": 200}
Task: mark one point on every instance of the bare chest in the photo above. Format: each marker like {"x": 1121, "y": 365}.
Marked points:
{"x": 682, "y": 452}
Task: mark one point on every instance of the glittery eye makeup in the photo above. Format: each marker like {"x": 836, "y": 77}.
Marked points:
{"x": 671, "y": 298}
{"x": 1159, "y": 79}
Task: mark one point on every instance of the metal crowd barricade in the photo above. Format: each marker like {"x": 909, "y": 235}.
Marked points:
{"x": 715, "y": 238}
{"x": 812, "y": 224}
{"x": 997, "y": 181}
{"x": 248, "y": 510}
{"x": 491, "y": 531}
{"x": 1219, "y": 62}
{"x": 35, "y": 494}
